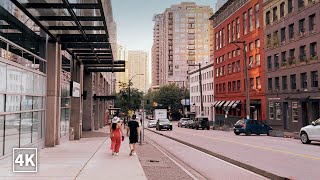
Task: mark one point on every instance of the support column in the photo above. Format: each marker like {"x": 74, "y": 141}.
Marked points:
{"x": 97, "y": 102}
{"x": 88, "y": 123}
{"x": 52, "y": 125}
{"x": 76, "y": 112}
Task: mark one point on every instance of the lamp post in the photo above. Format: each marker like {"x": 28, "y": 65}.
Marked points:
{"x": 200, "y": 84}
{"x": 246, "y": 75}
{"x": 129, "y": 85}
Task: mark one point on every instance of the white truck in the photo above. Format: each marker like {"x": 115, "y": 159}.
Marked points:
{"x": 160, "y": 114}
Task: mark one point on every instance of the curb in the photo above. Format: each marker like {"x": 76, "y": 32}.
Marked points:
{"x": 227, "y": 159}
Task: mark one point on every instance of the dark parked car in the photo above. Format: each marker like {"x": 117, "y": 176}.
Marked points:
{"x": 202, "y": 123}
{"x": 164, "y": 124}
{"x": 183, "y": 122}
{"x": 250, "y": 126}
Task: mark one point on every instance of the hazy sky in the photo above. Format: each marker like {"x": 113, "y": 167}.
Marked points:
{"x": 134, "y": 20}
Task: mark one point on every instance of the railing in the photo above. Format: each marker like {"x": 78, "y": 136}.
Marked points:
{"x": 15, "y": 53}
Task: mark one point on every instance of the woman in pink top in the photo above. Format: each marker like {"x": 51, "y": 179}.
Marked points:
{"x": 116, "y": 135}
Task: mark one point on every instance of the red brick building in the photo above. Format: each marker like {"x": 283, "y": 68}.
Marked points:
{"x": 239, "y": 20}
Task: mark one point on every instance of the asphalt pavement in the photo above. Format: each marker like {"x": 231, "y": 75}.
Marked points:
{"x": 281, "y": 156}
{"x": 206, "y": 165}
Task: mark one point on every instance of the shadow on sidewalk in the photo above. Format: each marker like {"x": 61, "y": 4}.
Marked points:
{"x": 93, "y": 134}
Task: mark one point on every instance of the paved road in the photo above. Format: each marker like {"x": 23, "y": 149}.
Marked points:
{"x": 281, "y": 156}
{"x": 206, "y": 165}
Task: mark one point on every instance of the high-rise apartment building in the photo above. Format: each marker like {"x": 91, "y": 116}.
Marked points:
{"x": 138, "y": 63}
{"x": 292, "y": 62}
{"x": 123, "y": 77}
{"x": 241, "y": 21}
{"x": 181, "y": 37}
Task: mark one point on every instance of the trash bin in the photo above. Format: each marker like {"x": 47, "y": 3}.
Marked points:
{"x": 71, "y": 134}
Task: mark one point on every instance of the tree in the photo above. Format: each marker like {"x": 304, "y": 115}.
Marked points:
{"x": 150, "y": 97}
{"x": 171, "y": 96}
{"x": 122, "y": 100}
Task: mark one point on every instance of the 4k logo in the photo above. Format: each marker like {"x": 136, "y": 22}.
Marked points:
{"x": 25, "y": 160}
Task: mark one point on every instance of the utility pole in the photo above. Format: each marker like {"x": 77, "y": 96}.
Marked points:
{"x": 246, "y": 75}
{"x": 200, "y": 84}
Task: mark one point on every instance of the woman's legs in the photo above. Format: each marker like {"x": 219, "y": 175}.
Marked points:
{"x": 117, "y": 145}
{"x": 113, "y": 144}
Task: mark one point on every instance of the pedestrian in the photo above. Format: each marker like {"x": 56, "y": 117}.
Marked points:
{"x": 116, "y": 135}
{"x": 133, "y": 133}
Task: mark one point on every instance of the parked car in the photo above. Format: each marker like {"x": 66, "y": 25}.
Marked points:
{"x": 202, "y": 123}
{"x": 250, "y": 126}
{"x": 183, "y": 122}
{"x": 311, "y": 132}
{"x": 152, "y": 123}
{"x": 189, "y": 124}
{"x": 164, "y": 124}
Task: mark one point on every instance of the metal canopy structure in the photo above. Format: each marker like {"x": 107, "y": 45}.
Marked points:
{"x": 80, "y": 26}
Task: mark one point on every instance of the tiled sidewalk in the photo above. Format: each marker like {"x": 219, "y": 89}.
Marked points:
{"x": 88, "y": 158}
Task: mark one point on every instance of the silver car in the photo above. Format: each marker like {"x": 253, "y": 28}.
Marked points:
{"x": 311, "y": 132}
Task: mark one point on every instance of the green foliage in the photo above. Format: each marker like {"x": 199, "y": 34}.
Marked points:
{"x": 122, "y": 100}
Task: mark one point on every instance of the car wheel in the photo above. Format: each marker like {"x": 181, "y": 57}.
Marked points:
{"x": 208, "y": 128}
{"x": 258, "y": 134}
{"x": 304, "y": 138}
{"x": 202, "y": 128}
{"x": 197, "y": 128}
{"x": 237, "y": 133}
{"x": 159, "y": 129}
{"x": 248, "y": 133}
{"x": 170, "y": 129}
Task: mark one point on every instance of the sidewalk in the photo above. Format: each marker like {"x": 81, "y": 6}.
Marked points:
{"x": 88, "y": 158}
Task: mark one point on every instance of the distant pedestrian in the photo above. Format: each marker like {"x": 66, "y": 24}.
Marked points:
{"x": 116, "y": 135}
{"x": 133, "y": 133}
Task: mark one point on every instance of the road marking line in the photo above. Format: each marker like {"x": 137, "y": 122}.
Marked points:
{"x": 258, "y": 147}
{"x": 175, "y": 162}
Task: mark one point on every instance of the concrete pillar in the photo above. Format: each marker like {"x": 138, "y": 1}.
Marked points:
{"x": 52, "y": 125}
{"x": 96, "y": 102}
{"x": 76, "y": 111}
{"x": 87, "y": 122}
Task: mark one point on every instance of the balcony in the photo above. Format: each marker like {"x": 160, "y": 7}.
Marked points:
{"x": 191, "y": 47}
{"x": 191, "y": 42}
{"x": 191, "y": 31}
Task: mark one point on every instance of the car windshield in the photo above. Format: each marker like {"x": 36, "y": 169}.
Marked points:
{"x": 240, "y": 122}
{"x": 164, "y": 120}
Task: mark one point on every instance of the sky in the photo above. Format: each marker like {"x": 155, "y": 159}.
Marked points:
{"x": 134, "y": 20}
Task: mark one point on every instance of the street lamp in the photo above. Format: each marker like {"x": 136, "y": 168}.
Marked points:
{"x": 246, "y": 75}
{"x": 129, "y": 84}
{"x": 200, "y": 83}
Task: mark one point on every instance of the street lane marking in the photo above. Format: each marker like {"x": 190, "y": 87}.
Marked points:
{"x": 175, "y": 162}
{"x": 258, "y": 147}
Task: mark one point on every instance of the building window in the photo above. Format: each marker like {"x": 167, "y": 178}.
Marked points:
{"x": 301, "y": 26}
{"x": 269, "y": 40}
{"x": 275, "y": 38}
{"x": 268, "y": 14}
{"x": 217, "y": 88}
{"x": 312, "y": 22}
{"x": 229, "y": 86}
{"x": 300, "y": 3}
{"x": 234, "y": 86}
{"x": 258, "y": 61}
{"x": 238, "y": 86}
{"x": 295, "y": 112}
{"x": 271, "y": 110}
{"x": 269, "y": 61}
{"x": 313, "y": 49}
{"x": 250, "y": 61}
{"x": 229, "y": 69}
{"x": 251, "y": 46}
{"x": 293, "y": 80}
{"x": 291, "y": 53}
{"x": 257, "y": 16}
{"x": 282, "y": 5}
{"x": 234, "y": 67}
{"x": 291, "y": 31}
{"x": 283, "y": 58}
{"x": 290, "y": 6}
{"x": 223, "y": 37}
{"x": 304, "y": 80}
{"x": 283, "y": 34}
{"x": 314, "y": 79}
{"x": 302, "y": 53}
{"x": 233, "y": 31}
{"x": 238, "y": 66}
{"x": 245, "y": 25}
{"x": 275, "y": 16}
{"x": 258, "y": 82}
{"x": 276, "y": 83}
{"x": 224, "y": 87}
{"x": 284, "y": 83}
{"x": 276, "y": 61}
{"x": 250, "y": 20}
{"x": 229, "y": 33}
{"x": 251, "y": 83}
{"x": 269, "y": 84}
{"x": 238, "y": 27}
{"x": 257, "y": 43}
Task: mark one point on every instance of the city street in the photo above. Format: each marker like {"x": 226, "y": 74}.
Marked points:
{"x": 284, "y": 157}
